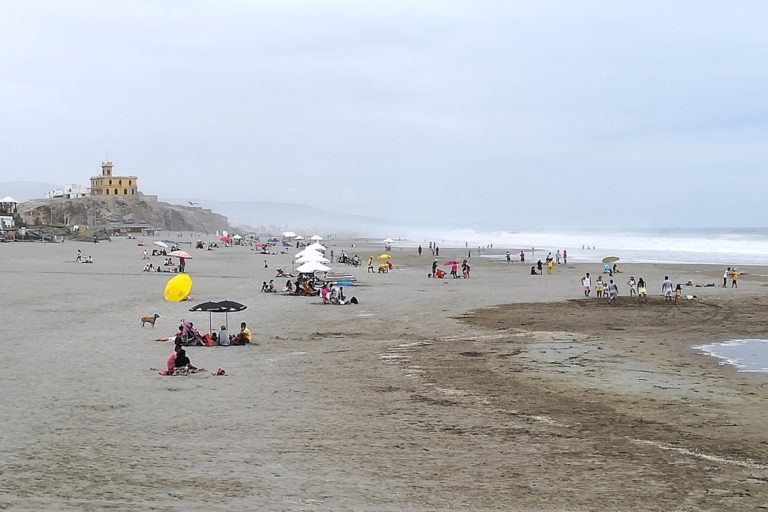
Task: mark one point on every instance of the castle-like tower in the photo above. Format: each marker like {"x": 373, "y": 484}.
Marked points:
{"x": 108, "y": 185}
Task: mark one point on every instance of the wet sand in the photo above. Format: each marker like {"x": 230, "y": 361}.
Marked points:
{"x": 499, "y": 392}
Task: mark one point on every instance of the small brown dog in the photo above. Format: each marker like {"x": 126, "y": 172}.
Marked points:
{"x": 149, "y": 320}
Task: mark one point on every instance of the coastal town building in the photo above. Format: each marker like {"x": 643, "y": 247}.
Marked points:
{"x": 7, "y": 211}
{"x": 109, "y": 185}
{"x": 68, "y": 192}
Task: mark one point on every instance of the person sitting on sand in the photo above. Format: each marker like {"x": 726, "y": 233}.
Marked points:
{"x": 243, "y": 337}
{"x": 540, "y": 267}
{"x": 533, "y": 270}
{"x": 288, "y": 286}
{"x": 271, "y": 286}
{"x": 264, "y": 287}
{"x": 324, "y": 293}
{"x": 616, "y": 269}
{"x": 224, "y": 336}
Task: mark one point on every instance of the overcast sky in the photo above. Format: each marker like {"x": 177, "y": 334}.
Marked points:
{"x": 511, "y": 114}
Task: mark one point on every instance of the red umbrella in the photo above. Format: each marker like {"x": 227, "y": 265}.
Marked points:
{"x": 224, "y": 239}
{"x": 449, "y": 263}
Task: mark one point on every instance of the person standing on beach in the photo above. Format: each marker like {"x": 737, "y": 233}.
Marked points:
{"x": 586, "y": 283}
{"x": 565, "y": 257}
{"x": 726, "y": 275}
{"x": 550, "y": 266}
{"x": 613, "y": 292}
{"x": 522, "y": 256}
{"x": 419, "y": 250}
{"x": 79, "y": 257}
{"x": 734, "y": 278}
{"x": 642, "y": 291}
{"x": 509, "y": 257}
{"x": 370, "y": 264}
{"x": 667, "y": 289}
{"x": 437, "y": 251}
{"x": 434, "y": 268}
{"x": 632, "y": 286}
{"x": 557, "y": 256}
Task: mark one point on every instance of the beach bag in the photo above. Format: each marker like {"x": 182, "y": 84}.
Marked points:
{"x": 208, "y": 340}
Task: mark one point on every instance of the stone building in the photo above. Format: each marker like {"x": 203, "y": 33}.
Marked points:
{"x": 109, "y": 185}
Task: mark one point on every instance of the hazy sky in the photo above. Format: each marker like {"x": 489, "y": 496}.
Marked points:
{"x": 507, "y": 113}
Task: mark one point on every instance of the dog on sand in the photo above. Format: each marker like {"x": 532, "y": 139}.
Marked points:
{"x": 149, "y": 320}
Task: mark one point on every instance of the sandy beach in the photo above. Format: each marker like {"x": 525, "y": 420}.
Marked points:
{"x": 502, "y": 392}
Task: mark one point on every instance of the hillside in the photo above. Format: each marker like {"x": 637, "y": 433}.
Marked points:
{"x": 112, "y": 213}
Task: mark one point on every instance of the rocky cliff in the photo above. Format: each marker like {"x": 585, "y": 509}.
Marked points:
{"x": 115, "y": 213}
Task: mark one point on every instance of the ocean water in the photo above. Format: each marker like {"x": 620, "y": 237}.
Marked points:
{"x": 746, "y": 355}
{"x": 728, "y": 247}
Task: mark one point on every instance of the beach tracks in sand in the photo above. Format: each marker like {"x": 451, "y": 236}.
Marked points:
{"x": 610, "y": 398}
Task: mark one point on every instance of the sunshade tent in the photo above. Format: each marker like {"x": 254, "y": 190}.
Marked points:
{"x": 312, "y": 266}
{"x": 178, "y": 288}
{"x": 237, "y": 237}
{"x": 289, "y": 234}
{"x": 316, "y": 238}
{"x": 316, "y": 247}
{"x": 299, "y": 237}
{"x": 223, "y": 306}
{"x": 313, "y": 257}
{"x": 180, "y": 254}
{"x": 388, "y": 240}
{"x": 611, "y": 259}
{"x": 306, "y": 251}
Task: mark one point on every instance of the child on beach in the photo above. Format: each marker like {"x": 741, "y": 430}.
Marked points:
{"x": 678, "y": 294}
{"x": 632, "y": 286}
{"x": 599, "y": 286}
{"x": 642, "y": 291}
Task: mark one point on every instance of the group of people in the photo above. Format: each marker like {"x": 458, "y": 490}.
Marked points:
{"x": 454, "y": 273}
{"x": 269, "y": 287}
{"x": 80, "y": 259}
{"x": 637, "y": 288}
{"x": 733, "y": 275}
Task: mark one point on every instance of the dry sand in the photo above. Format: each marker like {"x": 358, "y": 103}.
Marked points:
{"x": 427, "y": 395}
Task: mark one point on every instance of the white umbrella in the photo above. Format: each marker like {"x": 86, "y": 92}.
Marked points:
{"x": 316, "y": 238}
{"x": 316, "y": 247}
{"x": 224, "y": 233}
{"x": 388, "y": 240}
{"x": 308, "y": 257}
{"x": 306, "y": 251}
{"x": 160, "y": 244}
{"x": 312, "y": 266}
{"x": 299, "y": 237}
{"x": 237, "y": 237}
{"x": 289, "y": 234}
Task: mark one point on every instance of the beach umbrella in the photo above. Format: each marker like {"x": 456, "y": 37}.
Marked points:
{"x": 384, "y": 256}
{"x": 180, "y": 254}
{"x": 178, "y": 288}
{"x": 299, "y": 237}
{"x": 452, "y": 262}
{"x": 309, "y": 257}
{"x": 312, "y": 266}
{"x": 160, "y": 244}
{"x": 224, "y": 239}
{"x": 316, "y": 238}
{"x": 306, "y": 251}
{"x": 316, "y": 247}
{"x": 610, "y": 259}
{"x": 388, "y": 240}
{"x": 289, "y": 234}
{"x": 237, "y": 237}
{"x": 222, "y": 306}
